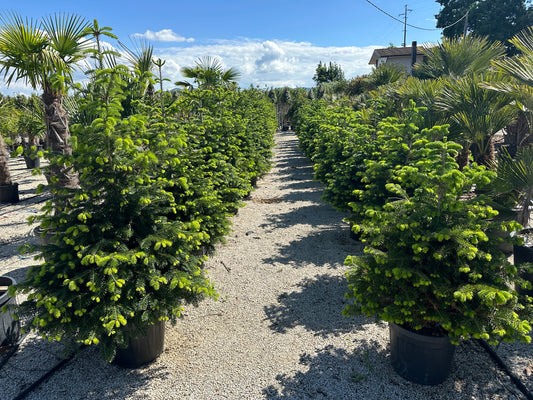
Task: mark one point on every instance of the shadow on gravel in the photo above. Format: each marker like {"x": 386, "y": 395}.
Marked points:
{"x": 313, "y": 215}
{"x": 519, "y": 358}
{"x": 288, "y": 171}
{"x": 19, "y": 274}
{"x": 9, "y": 247}
{"x": 85, "y": 376}
{"x": 366, "y": 374}
{"x": 315, "y": 304}
{"x": 306, "y": 186}
{"x": 332, "y": 373}
{"x": 325, "y": 247}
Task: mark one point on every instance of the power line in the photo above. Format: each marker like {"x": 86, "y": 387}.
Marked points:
{"x": 413, "y": 26}
{"x": 396, "y": 19}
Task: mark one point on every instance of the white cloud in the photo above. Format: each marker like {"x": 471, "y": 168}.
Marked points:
{"x": 268, "y": 63}
{"x": 164, "y": 35}
{"x": 271, "y": 62}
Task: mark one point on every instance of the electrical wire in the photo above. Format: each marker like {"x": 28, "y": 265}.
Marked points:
{"x": 417, "y": 27}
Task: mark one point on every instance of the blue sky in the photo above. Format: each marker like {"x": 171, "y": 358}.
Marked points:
{"x": 271, "y": 42}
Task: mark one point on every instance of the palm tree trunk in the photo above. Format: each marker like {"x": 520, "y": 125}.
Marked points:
{"x": 5, "y": 175}
{"x": 58, "y": 137}
{"x": 463, "y": 157}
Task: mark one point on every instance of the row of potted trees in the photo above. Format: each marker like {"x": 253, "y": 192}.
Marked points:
{"x": 155, "y": 194}
{"x": 431, "y": 265}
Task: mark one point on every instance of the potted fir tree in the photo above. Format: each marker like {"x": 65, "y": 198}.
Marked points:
{"x": 430, "y": 267}
{"x": 119, "y": 264}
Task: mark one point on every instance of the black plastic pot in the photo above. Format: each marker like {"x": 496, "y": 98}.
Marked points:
{"x": 422, "y": 359}
{"x": 142, "y": 349}
{"x": 9, "y": 328}
{"x": 524, "y": 254}
{"x": 9, "y": 193}
{"x": 32, "y": 162}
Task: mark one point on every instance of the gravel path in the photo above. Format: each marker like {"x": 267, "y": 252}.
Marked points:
{"x": 277, "y": 330}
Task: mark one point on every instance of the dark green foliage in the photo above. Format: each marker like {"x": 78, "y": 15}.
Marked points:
{"x": 116, "y": 258}
{"x": 499, "y": 20}
{"x": 328, "y": 73}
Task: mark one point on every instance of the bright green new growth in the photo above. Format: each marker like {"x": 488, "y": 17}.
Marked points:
{"x": 431, "y": 259}
{"x": 129, "y": 243}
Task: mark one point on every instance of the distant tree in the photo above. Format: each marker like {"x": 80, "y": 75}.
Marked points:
{"x": 285, "y": 97}
{"x": 271, "y": 94}
{"x": 328, "y": 73}
{"x": 499, "y": 20}
{"x": 358, "y": 85}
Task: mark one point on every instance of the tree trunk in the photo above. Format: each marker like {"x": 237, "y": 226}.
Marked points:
{"x": 58, "y": 137}
{"x": 5, "y": 175}
{"x": 463, "y": 157}
{"x": 484, "y": 152}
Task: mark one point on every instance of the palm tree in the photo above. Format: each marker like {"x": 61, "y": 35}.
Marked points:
{"x": 385, "y": 74}
{"x": 457, "y": 57}
{"x": 141, "y": 83}
{"x": 30, "y": 123}
{"x": 476, "y": 114}
{"x": 209, "y": 73}
{"x": 44, "y": 55}
{"x": 520, "y": 69}
{"x": 424, "y": 92}
{"x": 8, "y": 118}
{"x": 159, "y": 64}
{"x": 515, "y": 176}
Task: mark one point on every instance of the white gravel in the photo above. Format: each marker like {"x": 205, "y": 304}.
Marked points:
{"x": 277, "y": 331}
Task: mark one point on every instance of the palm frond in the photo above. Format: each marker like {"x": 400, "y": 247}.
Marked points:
{"x": 23, "y": 54}
{"x": 141, "y": 56}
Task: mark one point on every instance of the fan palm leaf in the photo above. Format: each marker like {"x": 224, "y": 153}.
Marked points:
{"x": 44, "y": 55}
{"x": 520, "y": 69}
{"x": 476, "y": 114}
{"x": 516, "y": 174}
{"x": 209, "y": 72}
{"x": 456, "y": 57}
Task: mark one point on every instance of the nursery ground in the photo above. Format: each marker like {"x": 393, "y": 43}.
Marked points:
{"x": 276, "y": 331}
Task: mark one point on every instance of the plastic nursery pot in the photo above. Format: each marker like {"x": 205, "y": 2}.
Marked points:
{"x": 524, "y": 254}
{"x": 9, "y": 193}
{"x": 32, "y": 162}
{"x": 142, "y": 349}
{"x": 44, "y": 237}
{"x": 422, "y": 359}
{"x": 9, "y": 328}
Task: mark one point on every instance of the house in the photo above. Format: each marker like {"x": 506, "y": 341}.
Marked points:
{"x": 403, "y": 56}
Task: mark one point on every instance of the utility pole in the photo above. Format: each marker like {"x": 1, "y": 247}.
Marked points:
{"x": 405, "y": 24}
{"x": 466, "y": 23}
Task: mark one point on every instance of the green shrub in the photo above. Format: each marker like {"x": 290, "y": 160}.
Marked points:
{"x": 117, "y": 259}
{"x": 430, "y": 260}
